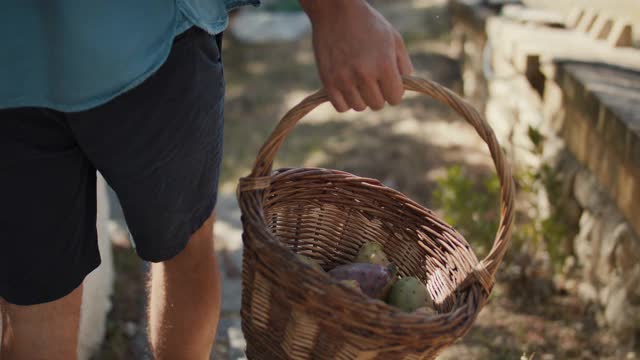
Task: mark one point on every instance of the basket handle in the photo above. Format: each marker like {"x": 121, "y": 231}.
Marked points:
{"x": 486, "y": 269}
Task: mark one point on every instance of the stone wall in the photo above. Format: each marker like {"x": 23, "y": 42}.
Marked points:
{"x": 589, "y": 117}
{"x": 598, "y": 130}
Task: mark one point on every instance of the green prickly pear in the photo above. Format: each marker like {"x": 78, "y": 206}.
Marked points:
{"x": 351, "y": 283}
{"x": 427, "y": 310}
{"x": 372, "y": 253}
{"x": 408, "y": 294}
{"x": 309, "y": 262}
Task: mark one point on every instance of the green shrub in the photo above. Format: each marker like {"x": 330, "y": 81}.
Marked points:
{"x": 472, "y": 208}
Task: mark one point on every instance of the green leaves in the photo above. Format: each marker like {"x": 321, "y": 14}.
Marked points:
{"x": 536, "y": 138}
{"x": 470, "y": 207}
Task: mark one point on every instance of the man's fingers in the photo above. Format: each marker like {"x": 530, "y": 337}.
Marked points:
{"x": 391, "y": 84}
{"x": 402, "y": 57}
{"x": 337, "y": 100}
{"x": 355, "y": 101}
{"x": 371, "y": 94}
{"x": 372, "y": 84}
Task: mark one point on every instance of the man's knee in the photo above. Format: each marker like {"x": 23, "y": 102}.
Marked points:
{"x": 43, "y": 331}
{"x": 199, "y": 248}
{"x": 205, "y": 232}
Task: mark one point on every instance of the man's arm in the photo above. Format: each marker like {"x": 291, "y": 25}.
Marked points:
{"x": 360, "y": 55}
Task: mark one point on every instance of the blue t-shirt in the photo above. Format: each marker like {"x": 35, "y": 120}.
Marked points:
{"x": 72, "y": 55}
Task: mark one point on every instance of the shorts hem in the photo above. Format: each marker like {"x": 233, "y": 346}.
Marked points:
{"x": 72, "y": 282}
{"x": 170, "y": 252}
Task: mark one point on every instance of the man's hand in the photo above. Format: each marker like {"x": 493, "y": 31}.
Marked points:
{"x": 360, "y": 55}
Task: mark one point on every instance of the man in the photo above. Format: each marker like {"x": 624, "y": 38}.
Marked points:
{"x": 134, "y": 89}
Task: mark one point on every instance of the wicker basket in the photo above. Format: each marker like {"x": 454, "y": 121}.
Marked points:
{"x": 290, "y": 311}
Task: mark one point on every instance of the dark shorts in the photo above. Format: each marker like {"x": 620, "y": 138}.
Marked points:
{"x": 159, "y": 146}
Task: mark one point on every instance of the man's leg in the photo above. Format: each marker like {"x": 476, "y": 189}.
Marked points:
{"x": 48, "y": 240}
{"x": 185, "y": 300}
{"x": 46, "y": 331}
{"x": 159, "y": 146}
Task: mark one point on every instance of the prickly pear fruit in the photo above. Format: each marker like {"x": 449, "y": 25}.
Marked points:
{"x": 372, "y": 253}
{"x": 408, "y": 294}
{"x": 310, "y": 262}
{"x": 375, "y": 280}
{"x": 426, "y": 310}
{"x": 351, "y": 283}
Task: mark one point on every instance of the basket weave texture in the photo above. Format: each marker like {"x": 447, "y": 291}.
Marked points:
{"x": 291, "y": 311}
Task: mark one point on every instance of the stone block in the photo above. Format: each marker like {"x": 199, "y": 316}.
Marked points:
{"x": 528, "y": 99}
{"x": 619, "y": 314}
{"x": 634, "y": 213}
{"x": 565, "y": 168}
{"x": 554, "y": 147}
{"x": 626, "y": 250}
{"x": 608, "y": 170}
{"x": 587, "y": 192}
{"x": 527, "y": 118}
{"x": 585, "y": 102}
{"x": 576, "y": 131}
{"x": 602, "y": 149}
{"x": 617, "y": 130}
{"x": 606, "y": 248}
{"x": 628, "y": 198}
{"x": 552, "y": 106}
{"x": 500, "y": 110}
{"x": 595, "y": 151}
{"x": 534, "y": 75}
{"x": 567, "y": 85}
{"x": 583, "y": 245}
{"x": 610, "y": 237}
{"x": 605, "y": 278}
{"x": 607, "y": 97}
{"x": 632, "y": 148}
{"x": 587, "y": 292}
{"x": 557, "y": 122}
{"x": 502, "y": 67}
{"x": 571, "y": 212}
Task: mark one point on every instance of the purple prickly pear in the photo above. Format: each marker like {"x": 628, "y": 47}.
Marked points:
{"x": 375, "y": 280}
